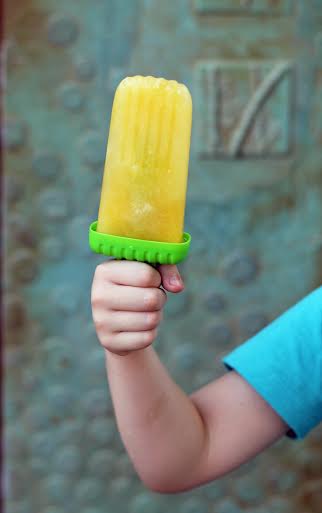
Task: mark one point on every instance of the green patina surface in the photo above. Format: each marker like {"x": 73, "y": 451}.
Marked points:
{"x": 254, "y": 211}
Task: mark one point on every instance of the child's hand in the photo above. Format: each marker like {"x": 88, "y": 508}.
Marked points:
{"x": 127, "y": 303}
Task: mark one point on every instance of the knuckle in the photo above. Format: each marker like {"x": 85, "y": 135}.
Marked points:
{"x": 100, "y": 272}
{"x": 122, "y": 322}
{"x": 118, "y": 343}
{"x": 104, "y": 273}
{"x": 102, "y": 321}
{"x": 149, "y": 336}
{"x": 96, "y": 300}
{"x": 153, "y": 319}
{"x": 147, "y": 277}
{"x": 107, "y": 341}
{"x": 102, "y": 298}
{"x": 100, "y": 325}
{"x": 152, "y": 300}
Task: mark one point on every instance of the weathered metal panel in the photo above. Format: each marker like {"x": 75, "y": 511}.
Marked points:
{"x": 245, "y": 108}
{"x": 269, "y": 7}
{"x": 254, "y": 210}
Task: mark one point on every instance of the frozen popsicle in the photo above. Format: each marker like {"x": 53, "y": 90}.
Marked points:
{"x": 141, "y": 213}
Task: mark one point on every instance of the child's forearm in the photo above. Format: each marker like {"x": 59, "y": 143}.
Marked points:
{"x": 161, "y": 428}
{"x": 176, "y": 442}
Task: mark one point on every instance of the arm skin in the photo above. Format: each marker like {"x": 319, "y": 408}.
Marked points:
{"x": 176, "y": 442}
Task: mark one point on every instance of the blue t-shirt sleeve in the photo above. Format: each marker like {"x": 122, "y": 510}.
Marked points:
{"x": 283, "y": 363}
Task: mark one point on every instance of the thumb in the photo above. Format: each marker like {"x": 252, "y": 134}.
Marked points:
{"x": 171, "y": 279}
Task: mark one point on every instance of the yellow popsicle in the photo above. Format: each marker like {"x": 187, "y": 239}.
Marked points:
{"x": 145, "y": 177}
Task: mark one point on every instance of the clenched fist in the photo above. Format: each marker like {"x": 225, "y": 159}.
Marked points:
{"x": 127, "y": 303}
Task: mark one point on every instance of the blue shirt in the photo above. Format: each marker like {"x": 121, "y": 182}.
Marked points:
{"x": 283, "y": 363}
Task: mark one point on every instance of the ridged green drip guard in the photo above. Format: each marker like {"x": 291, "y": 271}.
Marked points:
{"x": 141, "y": 250}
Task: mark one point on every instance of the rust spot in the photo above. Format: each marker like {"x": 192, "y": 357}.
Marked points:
{"x": 13, "y": 190}
{"x": 23, "y": 265}
{"x": 307, "y": 462}
{"x": 21, "y": 231}
{"x": 270, "y": 208}
{"x": 310, "y": 496}
{"x": 25, "y": 25}
{"x": 15, "y": 312}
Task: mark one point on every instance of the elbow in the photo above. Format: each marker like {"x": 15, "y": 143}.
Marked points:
{"x": 165, "y": 484}
{"x": 164, "y": 488}
{"x": 157, "y": 484}
{"x": 159, "y": 478}
{"x": 175, "y": 486}
{"x": 161, "y": 482}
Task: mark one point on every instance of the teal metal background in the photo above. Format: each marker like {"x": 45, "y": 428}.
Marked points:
{"x": 254, "y": 210}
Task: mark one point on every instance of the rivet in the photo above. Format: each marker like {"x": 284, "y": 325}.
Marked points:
{"x": 57, "y": 488}
{"x": 186, "y": 357}
{"x": 85, "y": 68}
{"x": 71, "y": 97}
{"x": 87, "y": 491}
{"x": 102, "y": 431}
{"x": 241, "y": 268}
{"x": 68, "y": 459}
{"x": 47, "y": 165}
{"x": 53, "y": 204}
{"x": 15, "y": 312}
{"x": 120, "y": 486}
{"x": 21, "y": 230}
{"x": 52, "y": 248}
{"x": 14, "y": 190}
{"x": 92, "y": 147}
{"x": 62, "y": 30}
{"x": 219, "y": 333}
{"x": 252, "y": 322}
{"x": 15, "y": 134}
{"x": 145, "y": 503}
{"x": 23, "y": 265}
{"x": 102, "y": 462}
{"x": 66, "y": 298}
{"x": 215, "y": 303}
{"x": 178, "y": 305}
{"x": 98, "y": 402}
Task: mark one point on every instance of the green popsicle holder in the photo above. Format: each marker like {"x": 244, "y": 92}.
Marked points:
{"x": 150, "y": 251}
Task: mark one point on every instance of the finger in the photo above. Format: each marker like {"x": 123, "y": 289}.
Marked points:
{"x": 129, "y": 299}
{"x": 135, "y": 274}
{"x": 128, "y": 321}
{"x": 171, "y": 279}
{"x": 129, "y": 341}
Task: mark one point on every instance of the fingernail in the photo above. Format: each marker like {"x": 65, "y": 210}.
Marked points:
{"x": 175, "y": 280}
